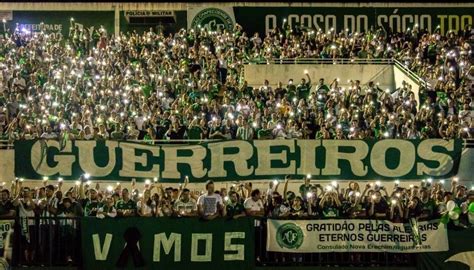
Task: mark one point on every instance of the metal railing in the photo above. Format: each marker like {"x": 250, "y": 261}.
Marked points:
{"x": 411, "y": 74}
{"x": 340, "y": 61}
{"x": 44, "y": 241}
{"x": 320, "y": 61}
{"x": 8, "y": 144}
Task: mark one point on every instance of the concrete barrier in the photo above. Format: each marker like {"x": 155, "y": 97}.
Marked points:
{"x": 274, "y": 73}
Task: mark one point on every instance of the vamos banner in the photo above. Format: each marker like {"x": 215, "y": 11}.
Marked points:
{"x": 355, "y": 19}
{"x": 239, "y": 160}
{"x": 300, "y": 236}
{"x": 167, "y": 243}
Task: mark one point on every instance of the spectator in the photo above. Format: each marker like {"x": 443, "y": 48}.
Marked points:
{"x": 185, "y": 206}
{"x": 126, "y": 207}
{"x": 234, "y": 208}
{"x": 7, "y": 209}
{"x": 253, "y": 205}
{"x": 210, "y": 204}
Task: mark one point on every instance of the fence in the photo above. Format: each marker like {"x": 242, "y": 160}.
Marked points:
{"x": 41, "y": 241}
{"x": 320, "y": 61}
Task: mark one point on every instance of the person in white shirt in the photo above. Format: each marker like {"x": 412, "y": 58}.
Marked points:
{"x": 19, "y": 83}
{"x": 146, "y": 206}
{"x": 210, "y": 204}
{"x": 254, "y": 205}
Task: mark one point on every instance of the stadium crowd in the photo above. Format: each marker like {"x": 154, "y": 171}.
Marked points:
{"x": 190, "y": 85}
{"x": 375, "y": 200}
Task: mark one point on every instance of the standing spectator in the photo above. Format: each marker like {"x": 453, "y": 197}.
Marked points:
{"x": 185, "y": 206}
{"x": 253, "y": 205}
{"x": 234, "y": 208}
{"x": 107, "y": 209}
{"x": 68, "y": 229}
{"x": 91, "y": 204}
{"x": 244, "y": 132}
{"x": 146, "y": 206}
{"x": 126, "y": 207}
{"x": 26, "y": 206}
{"x": 210, "y": 204}
{"x": 378, "y": 206}
{"x": 7, "y": 209}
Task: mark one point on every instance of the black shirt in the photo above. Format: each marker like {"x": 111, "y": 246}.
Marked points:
{"x": 6, "y": 207}
{"x": 381, "y": 208}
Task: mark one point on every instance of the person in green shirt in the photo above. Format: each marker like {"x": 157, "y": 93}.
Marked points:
{"x": 306, "y": 187}
{"x": 126, "y": 207}
{"x": 194, "y": 131}
{"x": 330, "y": 205}
{"x": 244, "y": 132}
{"x": 265, "y": 132}
{"x": 92, "y": 204}
{"x": 427, "y": 205}
{"x": 107, "y": 209}
{"x": 234, "y": 209}
{"x": 304, "y": 88}
{"x": 118, "y": 133}
{"x": 291, "y": 90}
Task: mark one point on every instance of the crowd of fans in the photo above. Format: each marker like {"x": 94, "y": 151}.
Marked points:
{"x": 375, "y": 200}
{"x": 190, "y": 85}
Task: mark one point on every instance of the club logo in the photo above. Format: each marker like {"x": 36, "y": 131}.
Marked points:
{"x": 289, "y": 236}
{"x": 212, "y": 19}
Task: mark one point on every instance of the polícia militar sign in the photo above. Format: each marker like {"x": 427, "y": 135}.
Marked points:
{"x": 239, "y": 160}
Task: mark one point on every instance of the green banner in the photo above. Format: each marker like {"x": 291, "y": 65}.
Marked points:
{"x": 59, "y": 22}
{"x": 239, "y": 160}
{"x": 166, "y": 243}
{"x": 460, "y": 255}
{"x": 264, "y": 19}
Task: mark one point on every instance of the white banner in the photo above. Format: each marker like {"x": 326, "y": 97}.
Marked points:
{"x": 306, "y": 236}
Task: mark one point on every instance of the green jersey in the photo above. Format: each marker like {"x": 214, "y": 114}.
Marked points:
{"x": 303, "y": 90}
{"x": 330, "y": 211}
{"x": 264, "y": 134}
{"x": 126, "y": 205}
{"x": 91, "y": 207}
{"x": 117, "y": 135}
{"x": 194, "y": 133}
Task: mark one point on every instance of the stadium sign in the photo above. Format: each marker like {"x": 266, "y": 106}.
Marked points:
{"x": 264, "y": 19}
{"x": 211, "y": 19}
{"x": 301, "y": 236}
{"x": 58, "y": 23}
{"x": 149, "y": 13}
{"x": 239, "y": 160}
{"x": 166, "y": 243}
